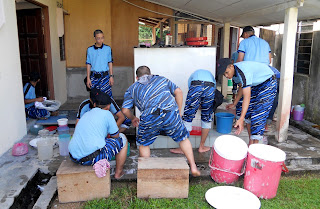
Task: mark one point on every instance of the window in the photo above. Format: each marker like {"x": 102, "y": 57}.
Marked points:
{"x": 62, "y": 48}
{"x": 303, "y": 47}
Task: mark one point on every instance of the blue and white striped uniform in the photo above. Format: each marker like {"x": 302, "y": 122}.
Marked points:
{"x": 201, "y": 94}
{"x": 86, "y": 106}
{"x": 30, "y": 110}
{"x": 159, "y": 111}
{"x": 99, "y": 59}
{"x": 91, "y": 135}
{"x": 263, "y": 91}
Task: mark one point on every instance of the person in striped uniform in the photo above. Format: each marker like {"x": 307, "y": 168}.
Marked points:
{"x": 258, "y": 86}
{"x": 99, "y": 65}
{"x": 90, "y": 142}
{"x": 202, "y": 87}
{"x": 87, "y": 105}
{"x": 159, "y": 101}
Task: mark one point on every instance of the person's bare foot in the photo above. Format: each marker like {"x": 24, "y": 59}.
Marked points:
{"x": 176, "y": 151}
{"x": 195, "y": 172}
{"x": 204, "y": 149}
{"x": 55, "y": 113}
{"x": 118, "y": 176}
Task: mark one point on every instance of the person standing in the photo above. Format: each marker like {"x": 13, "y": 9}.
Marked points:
{"x": 99, "y": 65}
{"x": 253, "y": 48}
{"x": 160, "y": 102}
{"x": 201, "y": 94}
{"x": 258, "y": 86}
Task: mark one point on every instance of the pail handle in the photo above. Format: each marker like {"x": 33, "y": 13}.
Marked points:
{"x": 284, "y": 168}
{"x": 219, "y": 169}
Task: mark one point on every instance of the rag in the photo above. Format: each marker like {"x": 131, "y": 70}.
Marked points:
{"x": 101, "y": 168}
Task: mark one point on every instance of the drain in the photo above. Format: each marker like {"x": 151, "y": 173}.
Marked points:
{"x": 30, "y": 194}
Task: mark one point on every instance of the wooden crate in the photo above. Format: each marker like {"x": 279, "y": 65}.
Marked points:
{"x": 80, "y": 183}
{"x": 162, "y": 178}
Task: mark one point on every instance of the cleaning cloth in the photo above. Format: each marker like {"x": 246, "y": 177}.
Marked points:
{"x": 101, "y": 168}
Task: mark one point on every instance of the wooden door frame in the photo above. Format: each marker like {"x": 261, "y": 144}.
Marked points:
{"x": 47, "y": 46}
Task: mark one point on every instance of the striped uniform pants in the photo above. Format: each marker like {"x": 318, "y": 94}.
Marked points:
{"x": 262, "y": 97}
{"x": 33, "y": 112}
{"x": 101, "y": 83}
{"x": 169, "y": 123}
{"x": 113, "y": 146}
{"x": 199, "y": 96}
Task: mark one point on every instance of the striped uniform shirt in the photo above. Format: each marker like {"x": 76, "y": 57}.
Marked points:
{"x": 156, "y": 94}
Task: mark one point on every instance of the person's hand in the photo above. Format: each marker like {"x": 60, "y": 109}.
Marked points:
{"x": 111, "y": 81}
{"x": 39, "y": 99}
{"x": 239, "y": 125}
{"x": 230, "y": 106}
{"x": 89, "y": 84}
{"x": 135, "y": 122}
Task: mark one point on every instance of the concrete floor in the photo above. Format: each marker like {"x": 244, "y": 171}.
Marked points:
{"x": 302, "y": 150}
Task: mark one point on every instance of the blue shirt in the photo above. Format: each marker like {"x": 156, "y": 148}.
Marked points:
{"x": 158, "y": 93}
{"x": 99, "y": 58}
{"x": 234, "y": 56}
{"x": 201, "y": 75}
{"x": 255, "y": 49}
{"x": 31, "y": 94}
{"x": 91, "y": 131}
{"x": 250, "y": 73}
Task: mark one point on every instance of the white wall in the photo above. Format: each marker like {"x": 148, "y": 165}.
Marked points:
{"x": 58, "y": 67}
{"x": 12, "y": 116}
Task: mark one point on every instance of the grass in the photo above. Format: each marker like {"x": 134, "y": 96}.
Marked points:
{"x": 293, "y": 192}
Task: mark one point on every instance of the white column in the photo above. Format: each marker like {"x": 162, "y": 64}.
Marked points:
{"x": 226, "y": 40}
{"x": 287, "y": 68}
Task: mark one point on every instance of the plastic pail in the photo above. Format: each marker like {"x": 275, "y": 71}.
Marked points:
{"x": 63, "y": 130}
{"x": 263, "y": 170}
{"x": 64, "y": 140}
{"x": 45, "y": 149}
{"x": 227, "y": 158}
{"x": 298, "y": 115}
{"x": 224, "y": 122}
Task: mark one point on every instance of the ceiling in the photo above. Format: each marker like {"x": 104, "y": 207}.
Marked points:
{"x": 244, "y": 12}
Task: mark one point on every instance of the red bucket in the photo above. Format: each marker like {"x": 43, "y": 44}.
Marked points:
{"x": 263, "y": 170}
{"x": 227, "y": 159}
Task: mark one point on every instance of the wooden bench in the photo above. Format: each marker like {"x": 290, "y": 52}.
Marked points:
{"x": 80, "y": 183}
{"x": 162, "y": 178}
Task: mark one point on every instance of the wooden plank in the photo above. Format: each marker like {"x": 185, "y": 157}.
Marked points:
{"x": 162, "y": 163}
{"x": 80, "y": 183}
{"x": 162, "y": 178}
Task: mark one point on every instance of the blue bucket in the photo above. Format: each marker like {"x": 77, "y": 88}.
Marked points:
{"x": 224, "y": 122}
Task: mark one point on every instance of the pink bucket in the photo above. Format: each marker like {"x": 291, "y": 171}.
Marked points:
{"x": 227, "y": 159}
{"x": 263, "y": 170}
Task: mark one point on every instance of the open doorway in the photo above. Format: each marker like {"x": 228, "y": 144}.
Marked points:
{"x": 152, "y": 29}
{"x": 34, "y": 44}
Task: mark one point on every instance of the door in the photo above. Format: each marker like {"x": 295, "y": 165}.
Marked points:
{"x": 31, "y": 43}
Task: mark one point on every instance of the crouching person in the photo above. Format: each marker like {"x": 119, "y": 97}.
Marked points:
{"x": 160, "y": 103}
{"x": 90, "y": 143}
{"x": 30, "y": 98}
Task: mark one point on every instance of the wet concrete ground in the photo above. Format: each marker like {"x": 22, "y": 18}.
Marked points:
{"x": 302, "y": 150}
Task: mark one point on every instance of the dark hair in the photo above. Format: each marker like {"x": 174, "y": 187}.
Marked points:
{"x": 143, "y": 70}
{"x": 34, "y": 76}
{"x": 98, "y": 31}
